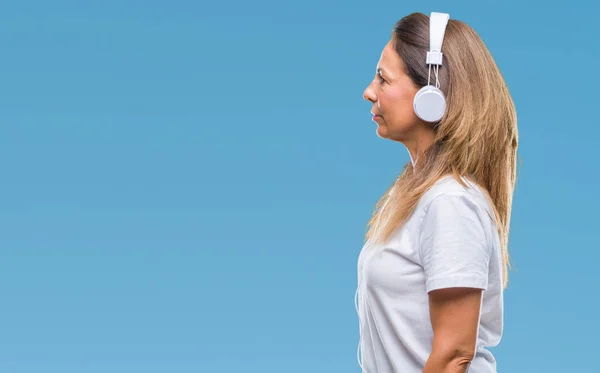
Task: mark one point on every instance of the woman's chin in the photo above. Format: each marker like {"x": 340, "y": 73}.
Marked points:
{"x": 382, "y": 131}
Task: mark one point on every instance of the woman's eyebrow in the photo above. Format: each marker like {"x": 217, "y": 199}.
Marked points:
{"x": 384, "y": 71}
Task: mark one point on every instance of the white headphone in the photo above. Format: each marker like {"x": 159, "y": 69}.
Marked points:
{"x": 429, "y": 102}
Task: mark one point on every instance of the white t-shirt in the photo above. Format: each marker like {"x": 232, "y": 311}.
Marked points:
{"x": 450, "y": 240}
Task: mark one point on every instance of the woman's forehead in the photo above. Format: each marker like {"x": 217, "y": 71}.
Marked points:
{"x": 389, "y": 61}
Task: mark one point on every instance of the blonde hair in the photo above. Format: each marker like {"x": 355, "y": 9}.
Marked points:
{"x": 477, "y": 137}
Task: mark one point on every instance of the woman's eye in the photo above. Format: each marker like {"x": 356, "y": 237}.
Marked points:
{"x": 381, "y": 80}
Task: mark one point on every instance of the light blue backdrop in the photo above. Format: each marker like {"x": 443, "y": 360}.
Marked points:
{"x": 185, "y": 185}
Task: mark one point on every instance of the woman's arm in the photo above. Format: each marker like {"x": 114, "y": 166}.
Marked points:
{"x": 454, "y": 316}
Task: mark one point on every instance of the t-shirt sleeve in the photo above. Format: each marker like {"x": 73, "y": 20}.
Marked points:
{"x": 453, "y": 248}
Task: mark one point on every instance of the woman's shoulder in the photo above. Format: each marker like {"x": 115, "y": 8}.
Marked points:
{"x": 449, "y": 187}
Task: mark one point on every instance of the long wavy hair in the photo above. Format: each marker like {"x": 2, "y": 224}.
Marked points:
{"x": 476, "y": 138}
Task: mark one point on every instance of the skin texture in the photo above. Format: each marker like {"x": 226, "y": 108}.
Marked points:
{"x": 391, "y": 93}
{"x": 454, "y": 312}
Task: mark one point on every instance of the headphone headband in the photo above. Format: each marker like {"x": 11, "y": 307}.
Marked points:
{"x": 437, "y": 30}
{"x": 429, "y": 102}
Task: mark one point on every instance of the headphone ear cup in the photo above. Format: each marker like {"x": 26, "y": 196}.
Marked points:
{"x": 429, "y": 104}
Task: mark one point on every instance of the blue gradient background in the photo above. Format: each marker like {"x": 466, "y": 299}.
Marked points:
{"x": 185, "y": 185}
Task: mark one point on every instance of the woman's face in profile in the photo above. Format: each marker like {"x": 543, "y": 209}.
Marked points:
{"x": 392, "y": 92}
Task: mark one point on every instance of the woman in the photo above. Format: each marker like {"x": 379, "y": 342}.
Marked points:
{"x": 434, "y": 267}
